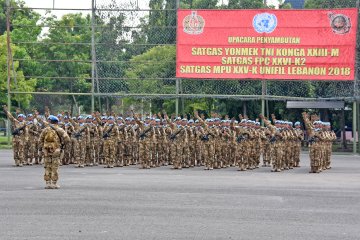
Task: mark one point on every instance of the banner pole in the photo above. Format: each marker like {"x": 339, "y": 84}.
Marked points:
{"x": 354, "y": 127}
{"x": 356, "y": 92}
{"x": 263, "y": 93}
{"x": 177, "y": 79}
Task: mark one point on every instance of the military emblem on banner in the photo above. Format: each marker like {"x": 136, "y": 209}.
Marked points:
{"x": 339, "y": 23}
{"x": 264, "y": 22}
{"x": 193, "y": 23}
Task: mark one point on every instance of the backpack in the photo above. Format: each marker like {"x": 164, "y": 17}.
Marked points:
{"x": 51, "y": 140}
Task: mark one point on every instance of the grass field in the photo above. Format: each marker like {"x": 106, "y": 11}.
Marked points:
{"x": 4, "y": 143}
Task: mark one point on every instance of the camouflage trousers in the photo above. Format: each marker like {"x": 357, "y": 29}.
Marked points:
{"x": 315, "y": 157}
{"x": 18, "y": 149}
{"x": 51, "y": 165}
{"x": 144, "y": 154}
{"x": 209, "y": 155}
{"x": 120, "y": 155}
{"x": 30, "y": 149}
{"x": 243, "y": 155}
{"x": 277, "y": 156}
{"x": 192, "y": 153}
{"x": 232, "y": 155}
{"x": 128, "y": 155}
{"x": 327, "y": 155}
{"x": 109, "y": 152}
{"x": 296, "y": 154}
{"x": 97, "y": 148}
{"x": 199, "y": 153}
{"x": 266, "y": 154}
{"x": 287, "y": 156}
{"x": 175, "y": 154}
{"x": 80, "y": 152}
{"x": 184, "y": 154}
{"x": 68, "y": 153}
{"x": 218, "y": 159}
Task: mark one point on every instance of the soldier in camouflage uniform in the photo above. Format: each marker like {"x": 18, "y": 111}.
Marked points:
{"x": 110, "y": 136}
{"x": 51, "y": 140}
{"x": 184, "y": 150}
{"x": 69, "y": 150}
{"x": 101, "y": 123}
{"x": 299, "y": 138}
{"x": 31, "y": 145}
{"x": 123, "y": 135}
{"x": 191, "y": 132}
{"x": 145, "y": 139}
{"x": 207, "y": 137}
{"x": 82, "y": 139}
{"x": 314, "y": 144}
{"x": 20, "y": 136}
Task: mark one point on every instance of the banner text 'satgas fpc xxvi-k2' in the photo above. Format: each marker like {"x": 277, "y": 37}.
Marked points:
{"x": 267, "y": 44}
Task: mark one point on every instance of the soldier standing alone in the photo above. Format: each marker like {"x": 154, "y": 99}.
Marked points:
{"x": 52, "y": 139}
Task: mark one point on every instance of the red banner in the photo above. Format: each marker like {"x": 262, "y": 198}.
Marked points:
{"x": 266, "y": 44}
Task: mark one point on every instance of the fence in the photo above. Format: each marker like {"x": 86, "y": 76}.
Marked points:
{"x": 122, "y": 54}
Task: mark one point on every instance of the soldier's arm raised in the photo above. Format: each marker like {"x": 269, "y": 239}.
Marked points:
{"x": 9, "y": 115}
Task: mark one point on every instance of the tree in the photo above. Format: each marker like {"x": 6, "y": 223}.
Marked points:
{"x": 21, "y": 83}
{"x": 66, "y": 49}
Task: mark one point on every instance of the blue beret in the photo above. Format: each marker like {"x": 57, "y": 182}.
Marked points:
{"x": 53, "y": 118}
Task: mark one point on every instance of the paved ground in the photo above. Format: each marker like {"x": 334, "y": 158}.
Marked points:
{"x": 129, "y": 203}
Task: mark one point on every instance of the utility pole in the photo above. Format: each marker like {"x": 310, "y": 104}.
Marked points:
{"x": 93, "y": 57}
{"x": 8, "y": 66}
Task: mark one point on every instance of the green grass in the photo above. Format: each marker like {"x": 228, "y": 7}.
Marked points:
{"x": 4, "y": 142}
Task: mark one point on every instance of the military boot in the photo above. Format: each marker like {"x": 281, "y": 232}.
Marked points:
{"x": 54, "y": 185}
{"x": 48, "y": 185}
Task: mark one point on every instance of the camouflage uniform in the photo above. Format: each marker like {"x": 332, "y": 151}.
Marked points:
{"x": 266, "y": 149}
{"x": 110, "y": 136}
{"x": 145, "y": 140}
{"x": 208, "y": 137}
{"x": 121, "y": 156}
{"x": 52, "y": 150}
{"x": 297, "y": 149}
{"x": 82, "y": 138}
{"x": 31, "y": 145}
{"x": 19, "y": 139}
{"x": 69, "y": 150}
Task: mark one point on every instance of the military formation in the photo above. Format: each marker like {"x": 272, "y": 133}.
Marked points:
{"x": 159, "y": 140}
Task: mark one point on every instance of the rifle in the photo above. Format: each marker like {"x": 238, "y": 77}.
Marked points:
{"x": 107, "y": 133}
{"x": 77, "y": 135}
{"x": 16, "y": 132}
{"x": 272, "y": 139}
{"x": 143, "y": 134}
{"x": 173, "y": 136}
{"x": 240, "y": 138}
{"x": 205, "y": 137}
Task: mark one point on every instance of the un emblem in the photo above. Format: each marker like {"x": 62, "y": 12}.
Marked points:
{"x": 264, "y": 22}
